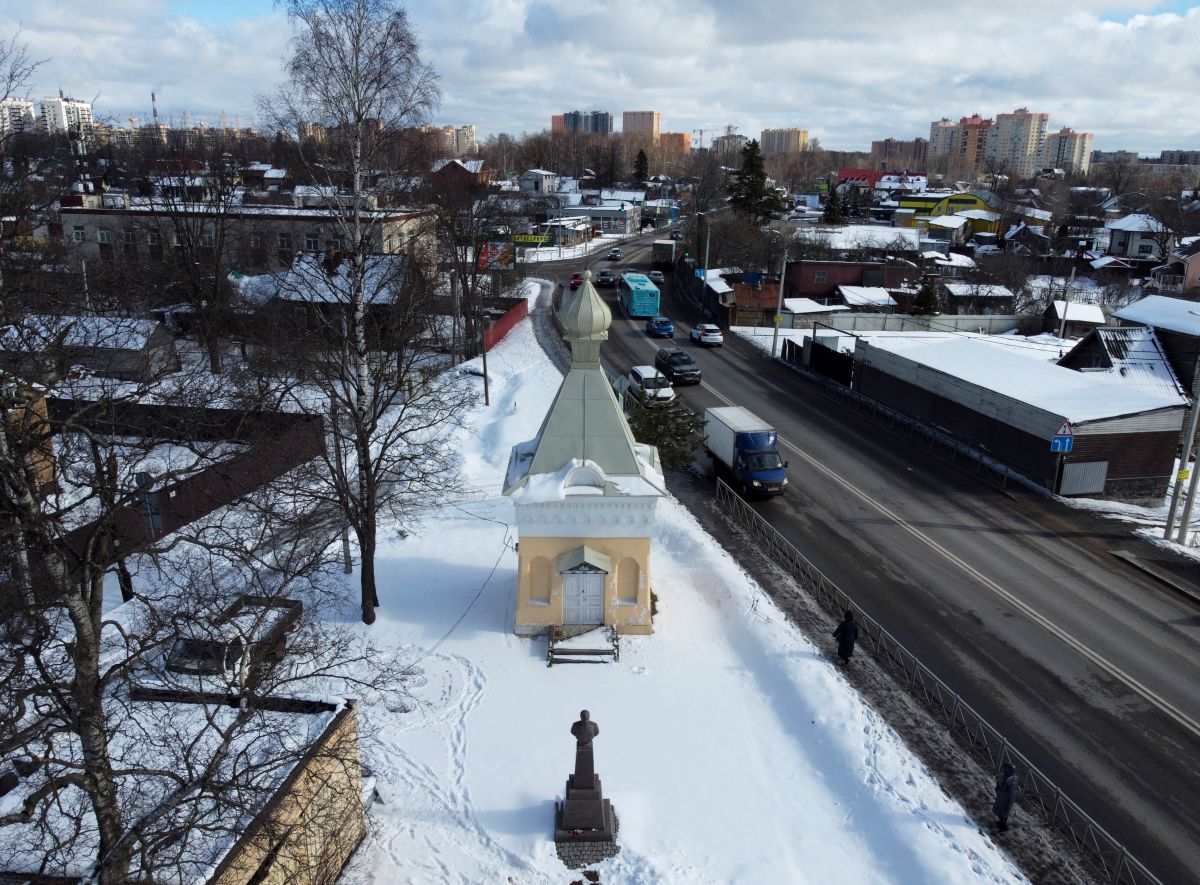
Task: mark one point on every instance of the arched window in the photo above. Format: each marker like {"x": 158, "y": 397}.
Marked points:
{"x": 586, "y": 479}
{"x": 539, "y": 581}
{"x": 629, "y": 579}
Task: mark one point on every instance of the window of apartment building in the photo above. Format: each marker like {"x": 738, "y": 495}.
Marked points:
{"x": 256, "y": 241}
{"x": 153, "y": 238}
{"x": 207, "y": 240}
{"x": 128, "y": 237}
{"x": 820, "y": 276}
{"x": 77, "y": 233}
{"x": 103, "y": 237}
{"x": 177, "y": 240}
{"x": 335, "y": 245}
{"x": 1145, "y": 249}
{"x": 312, "y": 242}
{"x": 285, "y": 241}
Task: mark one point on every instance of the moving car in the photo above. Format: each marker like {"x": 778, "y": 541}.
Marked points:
{"x": 677, "y": 366}
{"x": 615, "y": 254}
{"x": 660, "y": 327}
{"x": 576, "y": 280}
{"x": 656, "y": 276}
{"x": 707, "y": 333}
{"x": 647, "y": 385}
{"x": 606, "y": 278}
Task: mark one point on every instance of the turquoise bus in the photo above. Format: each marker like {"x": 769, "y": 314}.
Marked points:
{"x": 639, "y": 296}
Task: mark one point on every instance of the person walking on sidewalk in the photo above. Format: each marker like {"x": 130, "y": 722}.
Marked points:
{"x": 1006, "y": 794}
{"x": 846, "y": 634}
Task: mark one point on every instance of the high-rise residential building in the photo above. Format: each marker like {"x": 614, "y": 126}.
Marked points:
{"x": 16, "y": 115}
{"x": 464, "y": 140}
{"x": 730, "y": 144}
{"x": 1067, "y": 150}
{"x": 1016, "y": 142}
{"x": 558, "y": 123}
{"x": 893, "y": 155}
{"x": 675, "y": 142}
{"x": 641, "y": 123}
{"x": 783, "y": 141}
{"x": 64, "y": 116}
{"x": 1180, "y": 158}
{"x": 942, "y": 134}
{"x": 594, "y": 122}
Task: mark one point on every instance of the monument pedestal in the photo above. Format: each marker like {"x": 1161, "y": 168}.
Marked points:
{"x": 585, "y": 825}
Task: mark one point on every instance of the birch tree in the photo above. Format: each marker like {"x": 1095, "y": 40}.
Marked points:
{"x": 357, "y": 84}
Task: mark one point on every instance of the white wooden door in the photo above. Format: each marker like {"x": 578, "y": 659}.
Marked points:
{"x": 583, "y": 597}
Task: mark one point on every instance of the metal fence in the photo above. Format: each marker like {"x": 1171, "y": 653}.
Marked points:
{"x": 1039, "y": 794}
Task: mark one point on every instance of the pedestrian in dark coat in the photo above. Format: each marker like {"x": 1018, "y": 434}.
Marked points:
{"x": 1006, "y": 794}
{"x": 846, "y": 634}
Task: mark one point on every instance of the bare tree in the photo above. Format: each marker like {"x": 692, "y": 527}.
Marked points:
{"x": 355, "y": 69}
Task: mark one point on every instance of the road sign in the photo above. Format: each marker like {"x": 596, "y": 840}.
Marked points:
{"x": 1065, "y": 430}
{"x": 699, "y": 273}
{"x": 1061, "y": 443}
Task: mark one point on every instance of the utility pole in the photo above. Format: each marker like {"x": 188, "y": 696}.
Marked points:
{"x": 779, "y": 302}
{"x": 1062, "y": 323}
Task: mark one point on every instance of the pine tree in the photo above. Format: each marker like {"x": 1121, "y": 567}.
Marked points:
{"x": 672, "y": 428}
{"x": 641, "y": 166}
{"x": 927, "y": 302}
{"x": 833, "y": 208}
{"x": 750, "y": 194}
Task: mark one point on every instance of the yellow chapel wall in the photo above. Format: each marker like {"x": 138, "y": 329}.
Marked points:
{"x": 626, "y": 588}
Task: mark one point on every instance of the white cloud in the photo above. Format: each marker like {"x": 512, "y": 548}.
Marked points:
{"x": 851, "y": 71}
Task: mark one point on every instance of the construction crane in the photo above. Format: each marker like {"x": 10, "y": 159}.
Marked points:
{"x": 699, "y": 132}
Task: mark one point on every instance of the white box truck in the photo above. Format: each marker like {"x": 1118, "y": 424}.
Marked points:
{"x": 746, "y": 449}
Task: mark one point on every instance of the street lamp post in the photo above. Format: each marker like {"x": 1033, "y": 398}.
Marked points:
{"x": 779, "y": 302}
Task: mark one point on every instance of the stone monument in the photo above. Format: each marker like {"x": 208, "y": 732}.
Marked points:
{"x": 585, "y": 824}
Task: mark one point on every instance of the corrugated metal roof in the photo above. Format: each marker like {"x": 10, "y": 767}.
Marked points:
{"x": 866, "y": 295}
{"x": 1137, "y": 360}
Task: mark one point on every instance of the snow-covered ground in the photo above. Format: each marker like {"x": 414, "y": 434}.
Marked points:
{"x": 731, "y": 748}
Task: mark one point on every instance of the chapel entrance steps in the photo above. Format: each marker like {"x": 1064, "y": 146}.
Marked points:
{"x": 560, "y": 651}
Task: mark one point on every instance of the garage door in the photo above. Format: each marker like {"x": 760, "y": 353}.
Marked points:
{"x": 1083, "y": 478}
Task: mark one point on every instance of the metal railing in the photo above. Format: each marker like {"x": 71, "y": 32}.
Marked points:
{"x": 1039, "y": 794}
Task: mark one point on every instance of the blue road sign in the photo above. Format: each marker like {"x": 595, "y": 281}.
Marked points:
{"x": 1061, "y": 443}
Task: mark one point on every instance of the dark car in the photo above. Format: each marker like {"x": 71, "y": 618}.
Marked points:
{"x": 676, "y": 235}
{"x": 576, "y": 280}
{"x": 660, "y": 327}
{"x": 677, "y": 366}
{"x": 615, "y": 254}
{"x": 606, "y": 278}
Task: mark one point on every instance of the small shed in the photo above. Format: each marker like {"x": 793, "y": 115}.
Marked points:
{"x": 40, "y": 346}
{"x": 1072, "y": 319}
{"x": 867, "y": 298}
{"x": 978, "y": 298}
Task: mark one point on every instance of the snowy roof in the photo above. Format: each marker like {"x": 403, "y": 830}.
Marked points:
{"x": 1161, "y": 312}
{"x": 1078, "y": 312}
{"x": 1082, "y": 288}
{"x": 950, "y": 222}
{"x": 978, "y": 215}
{"x": 1075, "y": 396}
{"x": 1110, "y": 261}
{"x": 978, "y": 290}
{"x": 866, "y": 295}
{"x": 472, "y": 166}
{"x": 861, "y": 236}
{"x": 807, "y": 305}
{"x": 1137, "y": 360}
{"x": 308, "y": 279}
{"x": 108, "y": 333}
{"x": 1137, "y": 221}
{"x": 1039, "y": 214}
{"x": 716, "y": 282}
{"x": 952, "y": 259}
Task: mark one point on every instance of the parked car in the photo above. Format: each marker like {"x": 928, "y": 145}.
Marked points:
{"x": 606, "y": 278}
{"x": 707, "y": 333}
{"x": 647, "y": 385}
{"x": 576, "y": 281}
{"x": 656, "y": 276}
{"x": 660, "y": 327}
{"x": 677, "y": 366}
{"x": 676, "y": 235}
{"x": 615, "y": 254}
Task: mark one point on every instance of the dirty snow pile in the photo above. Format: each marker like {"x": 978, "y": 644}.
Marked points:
{"x": 731, "y": 748}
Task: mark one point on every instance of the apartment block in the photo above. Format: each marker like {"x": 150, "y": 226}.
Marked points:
{"x": 1017, "y": 140}
{"x": 967, "y": 140}
{"x": 941, "y": 137}
{"x": 558, "y": 123}
{"x": 592, "y": 122}
{"x": 783, "y": 141}
{"x": 1180, "y": 158}
{"x": 675, "y": 142}
{"x": 1068, "y": 150}
{"x": 16, "y": 115}
{"x": 64, "y": 116}
{"x": 641, "y": 123}
{"x": 894, "y": 155}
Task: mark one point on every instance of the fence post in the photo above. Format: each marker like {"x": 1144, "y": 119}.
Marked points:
{"x": 1120, "y": 866}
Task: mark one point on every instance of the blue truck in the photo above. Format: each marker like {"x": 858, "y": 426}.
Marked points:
{"x": 746, "y": 449}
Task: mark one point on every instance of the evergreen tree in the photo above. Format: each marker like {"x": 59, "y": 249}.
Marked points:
{"x": 672, "y": 428}
{"x": 750, "y": 194}
{"x": 927, "y": 302}
{"x": 641, "y": 166}
{"x": 833, "y": 208}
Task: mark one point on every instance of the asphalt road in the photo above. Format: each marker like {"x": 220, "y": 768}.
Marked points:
{"x": 1088, "y": 666}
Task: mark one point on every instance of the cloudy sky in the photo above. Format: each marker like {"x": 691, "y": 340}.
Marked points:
{"x": 848, "y": 71}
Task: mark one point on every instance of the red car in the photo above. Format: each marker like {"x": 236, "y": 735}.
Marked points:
{"x": 576, "y": 281}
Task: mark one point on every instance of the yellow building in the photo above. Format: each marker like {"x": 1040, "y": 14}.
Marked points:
{"x": 915, "y": 209}
{"x": 585, "y": 493}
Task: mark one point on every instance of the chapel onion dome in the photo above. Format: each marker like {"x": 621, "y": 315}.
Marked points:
{"x": 586, "y": 317}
